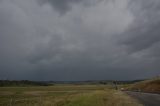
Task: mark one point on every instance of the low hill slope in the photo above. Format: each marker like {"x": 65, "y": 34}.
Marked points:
{"x": 151, "y": 86}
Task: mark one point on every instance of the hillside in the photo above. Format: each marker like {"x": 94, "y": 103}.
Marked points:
{"x": 151, "y": 86}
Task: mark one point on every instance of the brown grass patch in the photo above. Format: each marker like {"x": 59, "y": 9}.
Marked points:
{"x": 151, "y": 86}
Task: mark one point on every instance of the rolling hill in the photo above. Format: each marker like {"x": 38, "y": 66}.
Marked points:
{"x": 150, "y": 86}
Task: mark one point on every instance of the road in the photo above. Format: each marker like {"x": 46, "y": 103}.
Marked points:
{"x": 147, "y": 99}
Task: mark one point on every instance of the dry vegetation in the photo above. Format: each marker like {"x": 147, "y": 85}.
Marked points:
{"x": 152, "y": 86}
{"x": 64, "y": 95}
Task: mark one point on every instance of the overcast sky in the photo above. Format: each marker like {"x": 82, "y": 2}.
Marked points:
{"x": 79, "y": 39}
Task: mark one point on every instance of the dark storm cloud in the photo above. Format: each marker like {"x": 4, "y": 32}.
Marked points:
{"x": 79, "y": 39}
{"x": 61, "y": 5}
{"x": 144, "y": 33}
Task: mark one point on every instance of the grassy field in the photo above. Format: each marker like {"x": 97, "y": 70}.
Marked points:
{"x": 64, "y": 95}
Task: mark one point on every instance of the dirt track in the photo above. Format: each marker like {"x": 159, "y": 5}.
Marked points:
{"x": 147, "y": 99}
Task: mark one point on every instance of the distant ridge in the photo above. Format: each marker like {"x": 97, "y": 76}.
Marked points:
{"x": 10, "y": 83}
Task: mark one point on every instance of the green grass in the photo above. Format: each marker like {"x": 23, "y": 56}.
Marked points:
{"x": 64, "y": 95}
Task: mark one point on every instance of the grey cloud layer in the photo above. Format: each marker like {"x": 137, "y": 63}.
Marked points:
{"x": 79, "y": 40}
{"x": 61, "y": 5}
{"x": 145, "y": 30}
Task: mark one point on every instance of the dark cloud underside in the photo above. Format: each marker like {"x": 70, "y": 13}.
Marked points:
{"x": 79, "y": 39}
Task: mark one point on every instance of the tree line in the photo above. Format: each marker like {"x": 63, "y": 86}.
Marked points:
{"x": 8, "y": 83}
